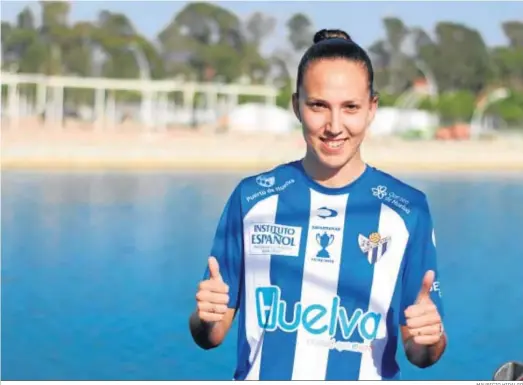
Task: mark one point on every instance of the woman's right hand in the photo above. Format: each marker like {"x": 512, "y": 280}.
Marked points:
{"x": 212, "y": 297}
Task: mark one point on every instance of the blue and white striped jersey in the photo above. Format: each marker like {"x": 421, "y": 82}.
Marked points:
{"x": 321, "y": 276}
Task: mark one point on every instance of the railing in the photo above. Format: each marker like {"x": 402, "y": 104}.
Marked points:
{"x": 154, "y": 103}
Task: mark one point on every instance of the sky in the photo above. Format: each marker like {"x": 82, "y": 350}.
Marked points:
{"x": 362, "y": 20}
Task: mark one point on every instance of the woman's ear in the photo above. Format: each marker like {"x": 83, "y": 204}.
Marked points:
{"x": 296, "y": 105}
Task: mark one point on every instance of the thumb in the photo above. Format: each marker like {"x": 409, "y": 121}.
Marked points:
{"x": 214, "y": 269}
{"x": 426, "y": 285}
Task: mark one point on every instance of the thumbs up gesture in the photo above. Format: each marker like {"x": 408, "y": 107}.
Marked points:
{"x": 423, "y": 319}
{"x": 212, "y": 296}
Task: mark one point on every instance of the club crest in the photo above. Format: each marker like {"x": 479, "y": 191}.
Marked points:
{"x": 265, "y": 181}
{"x": 374, "y": 246}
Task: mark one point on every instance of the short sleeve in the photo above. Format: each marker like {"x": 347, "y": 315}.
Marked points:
{"x": 227, "y": 246}
{"x": 420, "y": 257}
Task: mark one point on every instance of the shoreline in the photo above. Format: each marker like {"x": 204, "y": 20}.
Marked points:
{"x": 236, "y": 166}
{"x": 78, "y": 150}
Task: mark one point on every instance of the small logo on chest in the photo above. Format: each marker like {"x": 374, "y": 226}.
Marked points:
{"x": 375, "y": 246}
{"x": 323, "y": 254}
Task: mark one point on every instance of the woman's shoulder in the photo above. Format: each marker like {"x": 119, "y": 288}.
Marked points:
{"x": 407, "y": 199}
{"x": 399, "y": 185}
{"x": 271, "y": 178}
{"x": 265, "y": 183}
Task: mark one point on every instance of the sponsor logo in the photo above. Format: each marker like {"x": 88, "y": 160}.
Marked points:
{"x": 374, "y": 246}
{"x": 382, "y": 193}
{"x": 341, "y": 346}
{"x": 433, "y": 238}
{"x": 326, "y": 228}
{"x": 436, "y": 288}
{"x": 324, "y": 241}
{"x": 269, "y": 239}
{"x": 321, "y": 322}
{"x": 268, "y": 183}
{"x": 325, "y": 212}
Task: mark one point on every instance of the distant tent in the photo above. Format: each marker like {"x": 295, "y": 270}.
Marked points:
{"x": 252, "y": 117}
{"x": 391, "y": 121}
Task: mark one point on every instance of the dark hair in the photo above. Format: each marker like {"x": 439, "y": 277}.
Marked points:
{"x": 335, "y": 44}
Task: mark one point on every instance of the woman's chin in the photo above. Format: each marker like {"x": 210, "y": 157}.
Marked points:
{"x": 335, "y": 161}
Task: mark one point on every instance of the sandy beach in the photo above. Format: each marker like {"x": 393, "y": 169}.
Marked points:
{"x": 73, "y": 148}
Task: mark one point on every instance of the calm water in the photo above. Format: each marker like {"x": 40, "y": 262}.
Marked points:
{"x": 99, "y": 273}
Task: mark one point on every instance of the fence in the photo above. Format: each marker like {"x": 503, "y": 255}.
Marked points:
{"x": 156, "y": 106}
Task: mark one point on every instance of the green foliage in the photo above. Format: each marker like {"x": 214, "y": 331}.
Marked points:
{"x": 428, "y": 104}
{"x": 509, "y": 109}
{"x": 244, "y": 99}
{"x": 413, "y": 135}
{"x": 387, "y": 100}
{"x": 300, "y": 35}
{"x": 456, "y": 106}
{"x": 284, "y": 96}
{"x": 206, "y": 41}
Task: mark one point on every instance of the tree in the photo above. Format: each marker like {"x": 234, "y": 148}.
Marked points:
{"x": 25, "y": 19}
{"x": 396, "y": 31}
{"x": 54, "y": 34}
{"x": 514, "y": 32}
{"x": 300, "y": 33}
{"x": 21, "y": 44}
{"x": 207, "y": 41}
{"x": 259, "y": 26}
{"x": 381, "y": 57}
{"x": 203, "y": 37}
{"x": 461, "y": 58}
{"x": 507, "y": 62}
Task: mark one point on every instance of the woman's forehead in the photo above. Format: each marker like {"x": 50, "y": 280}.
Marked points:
{"x": 336, "y": 78}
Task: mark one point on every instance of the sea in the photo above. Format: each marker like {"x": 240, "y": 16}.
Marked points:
{"x": 100, "y": 269}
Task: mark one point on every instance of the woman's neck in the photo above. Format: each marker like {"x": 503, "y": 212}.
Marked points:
{"x": 334, "y": 178}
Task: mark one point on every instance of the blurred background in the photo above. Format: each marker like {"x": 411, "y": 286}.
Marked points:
{"x": 126, "y": 125}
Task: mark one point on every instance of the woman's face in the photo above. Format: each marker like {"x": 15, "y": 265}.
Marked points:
{"x": 335, "y": 109}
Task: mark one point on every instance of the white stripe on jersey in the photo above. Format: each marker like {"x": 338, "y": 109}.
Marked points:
{"x": 320, "y": 281}
{"x": 383, "y": 284}
{"x": 257, "y": 274}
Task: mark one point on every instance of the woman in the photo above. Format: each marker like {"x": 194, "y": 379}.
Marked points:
{"x": 325, "y": 258}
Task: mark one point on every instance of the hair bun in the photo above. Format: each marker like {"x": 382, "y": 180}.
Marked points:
{"x": 327, "y": 34}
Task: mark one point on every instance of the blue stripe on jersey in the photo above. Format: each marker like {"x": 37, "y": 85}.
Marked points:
{"x": 243, "y": 349}
{"x": 389, "y": 367}
{"x": 286, "y": 273}
{"x": 354, "y": 284}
